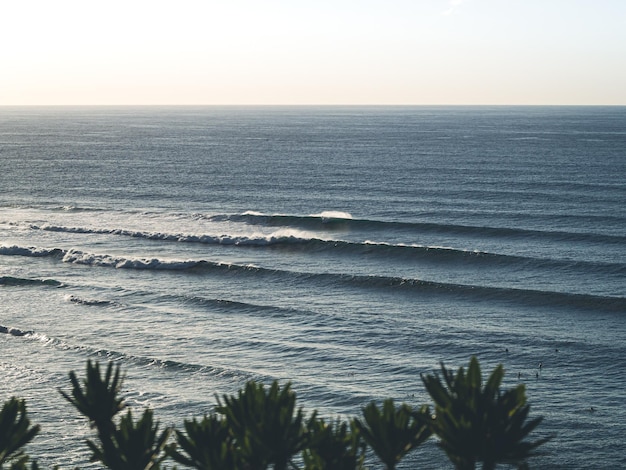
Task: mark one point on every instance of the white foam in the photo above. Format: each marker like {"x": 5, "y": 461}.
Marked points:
{"x": 90, "y": 259}
{"x": 333, "y": 215}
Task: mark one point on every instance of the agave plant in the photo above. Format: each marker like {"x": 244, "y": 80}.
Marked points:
{"x": 15, "y": 433}
{"x": 133, "y": 445}
{"x": 206, "y": 444}
{"x": 264, "y": 422}
{"x": 127, "y": 445}
{"x": 480, "y": 424}
{"x": 337, "y": 445}
{"x": 393, "y": 431}
{"x": 98, "y": 399}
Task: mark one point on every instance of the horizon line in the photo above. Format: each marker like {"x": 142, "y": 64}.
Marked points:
{"x": 286, "y": 105}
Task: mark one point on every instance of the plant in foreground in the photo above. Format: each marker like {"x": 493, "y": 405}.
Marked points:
{"x": 127, "y": 445}
{"x": 393, "y": 431}
{"x": 260, "y": 428}
{"x": 476, "y": 424}
{"x": 337, "y": 445}
{"x": 206, "y": 444}
{"x": 15, "y": 433}
{"x": 265, "y": 425}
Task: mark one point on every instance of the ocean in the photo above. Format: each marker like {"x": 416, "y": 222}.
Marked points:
{"x": 346, "y": 250}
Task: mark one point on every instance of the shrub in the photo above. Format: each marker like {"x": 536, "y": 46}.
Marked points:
{"x": 261, "y": 427}
{"x": 337, "y": 445}
{"x": 476, "y": 424}
{"x": 126, "y": 445}
{"x": 393, "y": 431}
{"x": 264, "y": 426}
{"x": 207, "y": 444}
{"x": 15, "y": 433}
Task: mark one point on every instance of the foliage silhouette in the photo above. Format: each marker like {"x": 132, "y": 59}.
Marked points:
{"x": 15, "y": 433}
{"x": 123, "y": 446}
{"x": 207, "y": 444}
{"x": 134, "y": 445}
{"x": 261, "y": 428}
{"x": 264, "y": 425}
{"x": 337, "y": 445}
{"x": 99, "y": 400}
{"x": 476, "y": 424}
{"x": 393, "y": 431}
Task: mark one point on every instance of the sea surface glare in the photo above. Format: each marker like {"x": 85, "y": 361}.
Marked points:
{"x": 345, "y": 249}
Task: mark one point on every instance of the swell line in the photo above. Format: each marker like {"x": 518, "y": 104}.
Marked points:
{"x": 237, "y": 240}
{"x": 238, "y": 307}
{"x": 344, "y": 222}
{"x": 113, "y": 355}
{"x": 383, "y": 250}
{"x": 477, "y": 292}
{"x": 484, "y": 293}
{"x": 34, "y": 252}
{"x": 439, "y": 254}
{"x": 19, "y": 281}
{"x": 329, "y": 223}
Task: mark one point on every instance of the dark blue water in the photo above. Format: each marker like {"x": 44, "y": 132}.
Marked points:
{"x": 346, "y": 250}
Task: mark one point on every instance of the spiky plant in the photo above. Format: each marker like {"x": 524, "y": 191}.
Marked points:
{"x": 15, "y": 433}
{"x": 206, "y": 444}
{"x": 98, "y": 397}
{"x": 337, "y": 445}
{"x": 392, "y": 431}
{"x": 126, "y": 445}
{"x": 265, "y": 424}
{"x": 480, "y": 424}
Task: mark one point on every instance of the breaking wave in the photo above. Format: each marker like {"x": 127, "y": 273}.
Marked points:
{"x": 18, "y": 281}
{"x": 326, "y": 223}
{"x": 399, "y": 252}
{"x": 475, "y": 292}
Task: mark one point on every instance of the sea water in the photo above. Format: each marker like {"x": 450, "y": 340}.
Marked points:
{"x": 346, "y": 250}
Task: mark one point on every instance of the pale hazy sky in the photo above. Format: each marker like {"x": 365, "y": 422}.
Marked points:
{"x": 312, "y": 52}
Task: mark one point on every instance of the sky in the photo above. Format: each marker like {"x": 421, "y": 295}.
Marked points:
{"x": 322, "y": 52}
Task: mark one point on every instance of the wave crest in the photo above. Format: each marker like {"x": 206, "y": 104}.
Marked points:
{"x": 18, "y": 281}
{"x": 14, "y": 331}
{"x": 15, "y": 250}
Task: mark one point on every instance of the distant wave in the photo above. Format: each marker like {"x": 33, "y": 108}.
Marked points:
{"x": 28, "y": 251}
{"x": 261, "y": 240}
{"x": 400, "y": 252}
{"x": 476, "y": 292}
{"x": 483, "y": 293}
{"x": 119, "y": 262}
{"x": 333, "y": 215}
{"x": 89, "y": 302}
{"x": 112, "y": 355}
{"x": 55, "y": 208}
{"x": 322, "y": 223}
{"x": 17, "y": 281}
{"x": 72, "y": 208}
{"x": 104, "y": 260}
{"x": 14, "y": 331}
{"x": 240, "y": 307}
